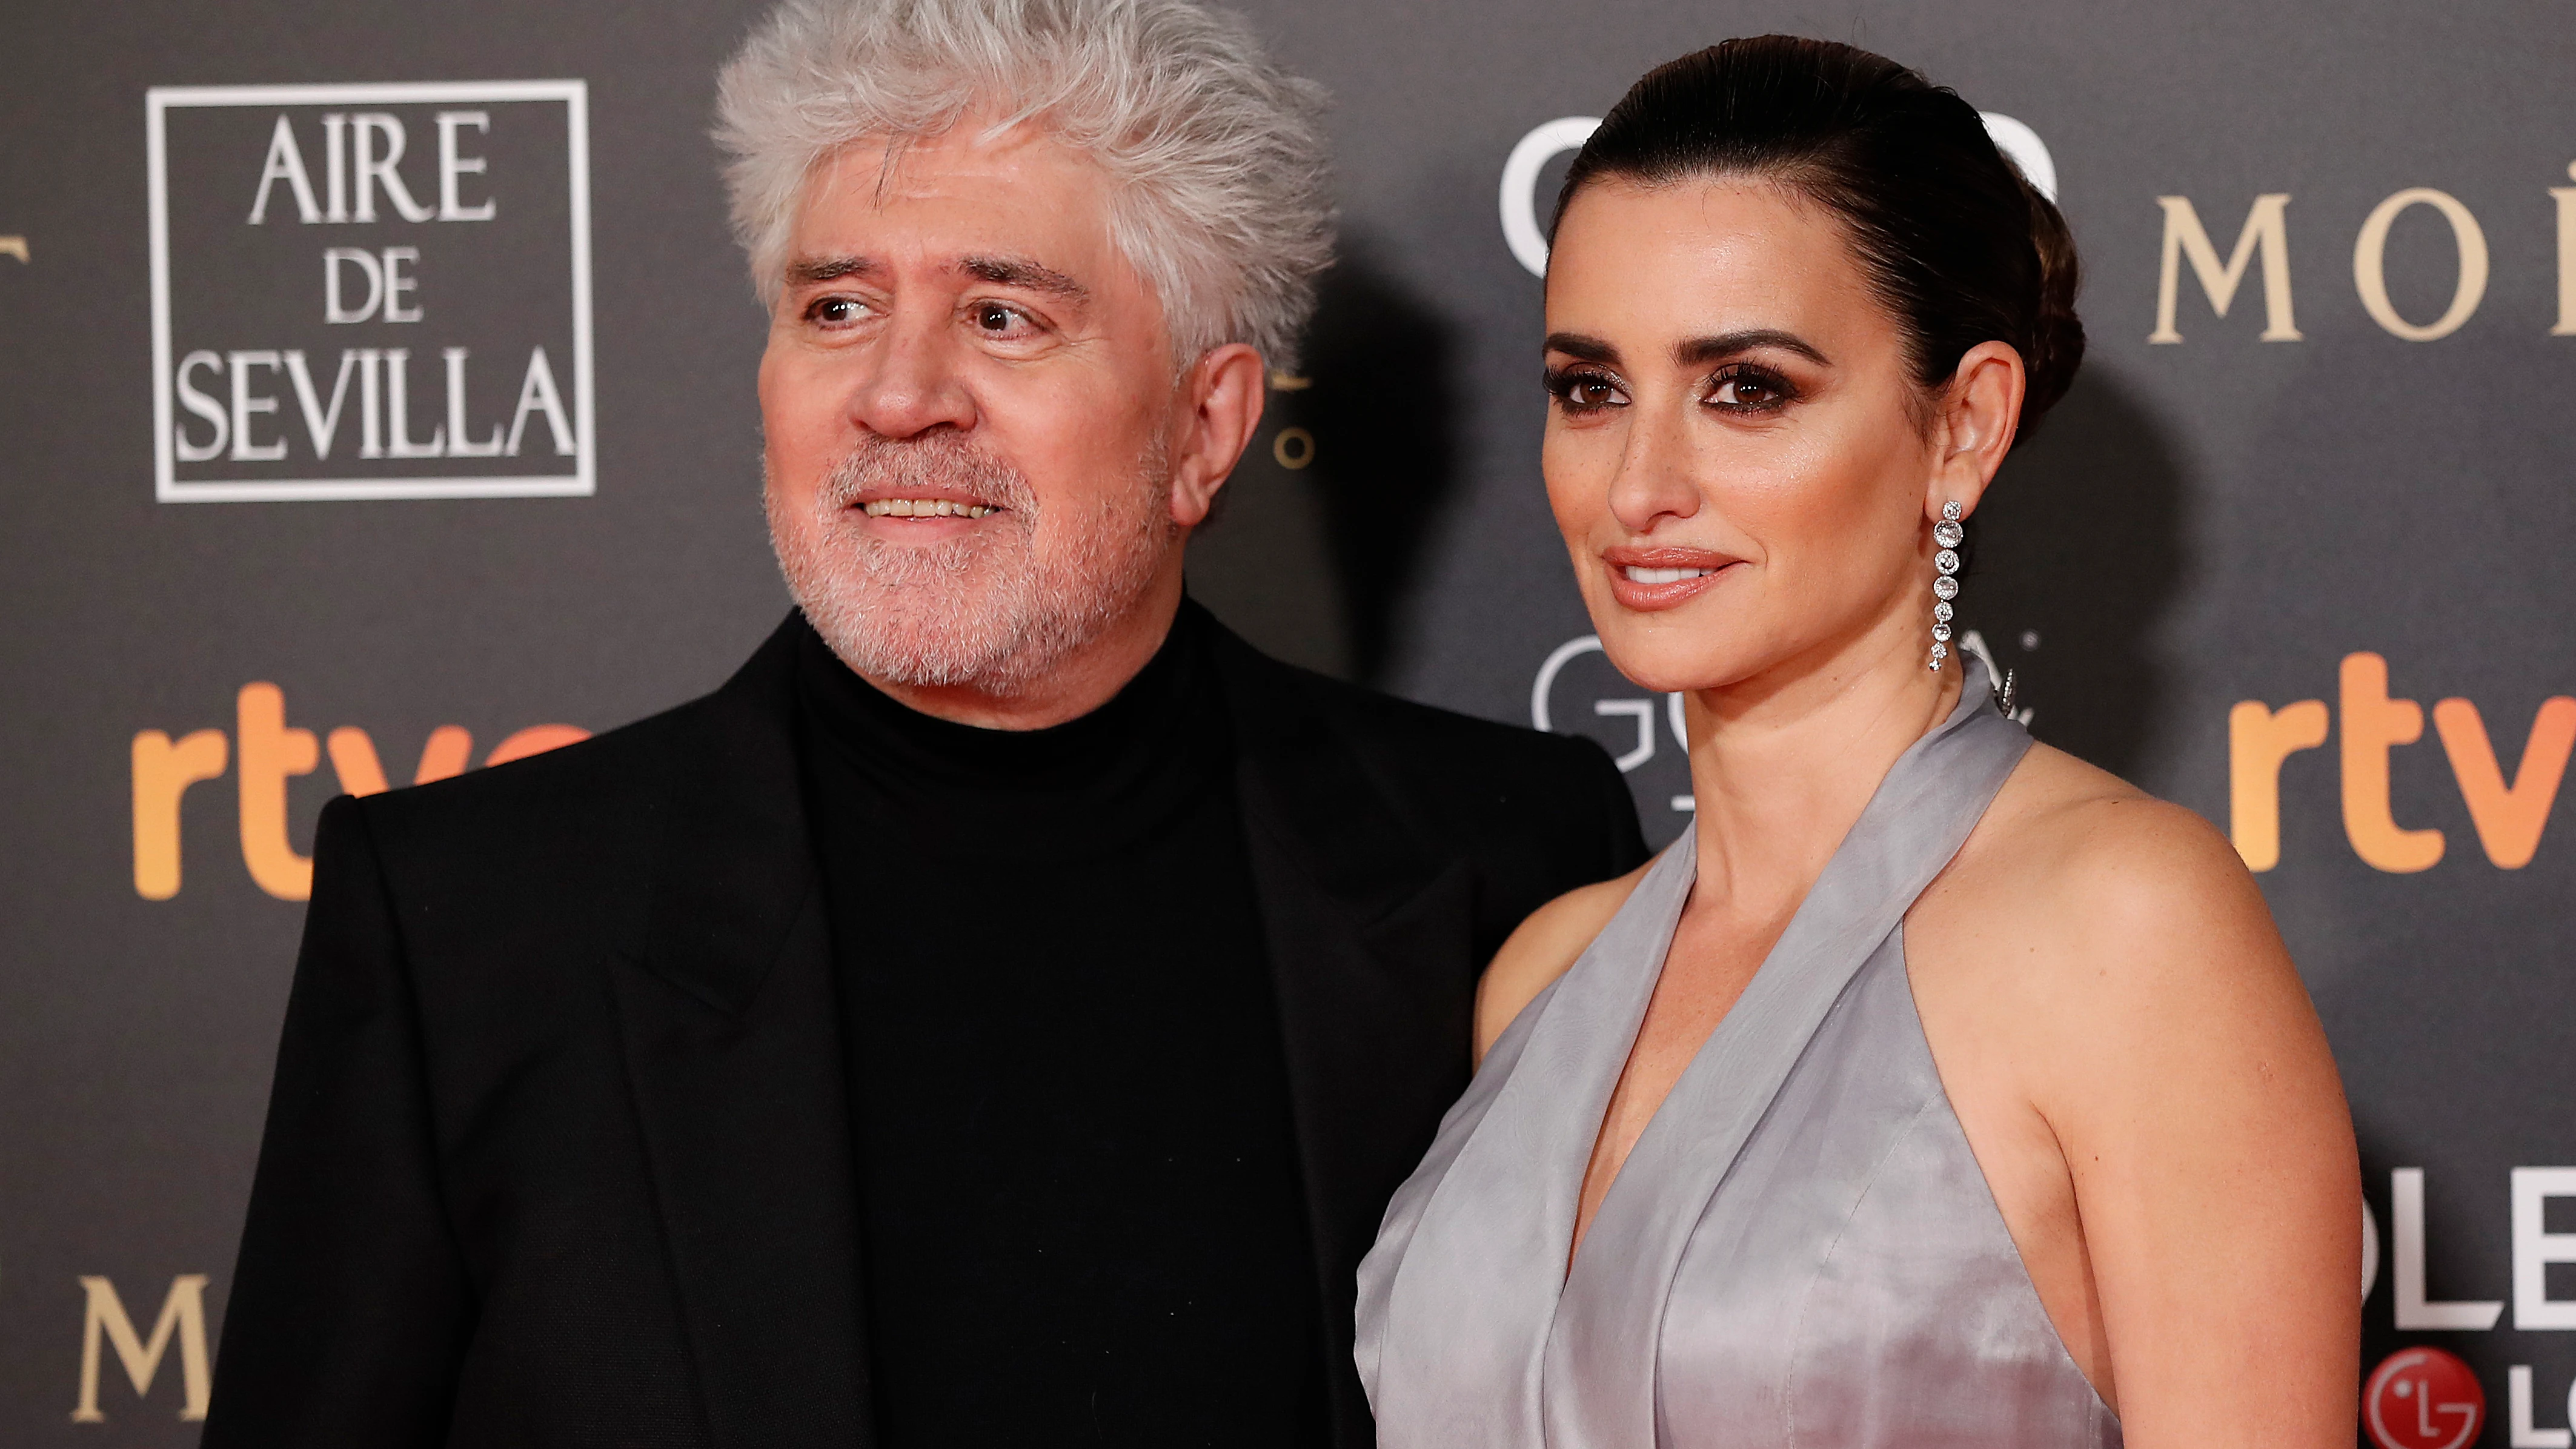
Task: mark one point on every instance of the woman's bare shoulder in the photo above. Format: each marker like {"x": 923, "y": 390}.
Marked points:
{"x": 1541, "y": 949}
{"x": 2097, "y": 910}
{"x": 2065, "y": 837}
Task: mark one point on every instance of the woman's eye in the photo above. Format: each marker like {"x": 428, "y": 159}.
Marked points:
{"x": 1749, "y": 392}
{"x": 1583, "y": 392}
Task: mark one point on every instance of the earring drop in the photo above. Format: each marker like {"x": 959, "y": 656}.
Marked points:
{"x": 1949, "y": 535}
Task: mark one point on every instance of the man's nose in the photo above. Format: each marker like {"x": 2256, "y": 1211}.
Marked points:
{"x": 913, "y": 384}
{"x": 1656, "y": 473}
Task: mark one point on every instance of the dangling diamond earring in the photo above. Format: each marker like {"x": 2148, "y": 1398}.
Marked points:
{"x": 1948, "y": 534}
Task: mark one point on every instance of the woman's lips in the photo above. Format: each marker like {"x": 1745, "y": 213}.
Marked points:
{"x": 1662, "y": 578}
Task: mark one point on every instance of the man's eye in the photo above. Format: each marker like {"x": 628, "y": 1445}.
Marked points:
{"x": 999, "y": 319}
{"x": 837, "y": 311}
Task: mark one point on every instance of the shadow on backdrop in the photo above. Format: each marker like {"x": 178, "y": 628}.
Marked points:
{"x": 2078, "y": 553}
{"x": 1325, "y": 521}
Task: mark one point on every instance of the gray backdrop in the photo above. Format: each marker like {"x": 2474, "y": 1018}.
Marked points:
{"x": 2205, "y": 522}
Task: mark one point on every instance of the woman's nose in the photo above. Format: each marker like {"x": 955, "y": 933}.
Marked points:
{"x": 1655, "y": 477}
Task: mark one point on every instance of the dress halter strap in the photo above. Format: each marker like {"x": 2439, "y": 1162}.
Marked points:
{"x": 1601, "y": 1354}
{"x": 1473, "y": 1331}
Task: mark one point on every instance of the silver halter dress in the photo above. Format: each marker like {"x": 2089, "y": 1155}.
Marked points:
{"x": 1800, "y": 1250}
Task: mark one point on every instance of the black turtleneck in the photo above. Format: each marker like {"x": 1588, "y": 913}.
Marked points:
{"x": 1079, "y": 1191}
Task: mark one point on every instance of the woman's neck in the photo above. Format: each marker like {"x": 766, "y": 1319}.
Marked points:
{"x": 1783, "y": 763}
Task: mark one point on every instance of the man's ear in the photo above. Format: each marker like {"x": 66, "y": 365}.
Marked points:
{"x": 1973, "y": 428}
{"x": 1224, "y": 392}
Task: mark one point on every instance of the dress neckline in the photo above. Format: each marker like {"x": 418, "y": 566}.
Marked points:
{"x": 1590, "y": 1380}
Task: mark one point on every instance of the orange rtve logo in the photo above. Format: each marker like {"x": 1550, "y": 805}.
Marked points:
{"x": 2509, "y": 815}
{"x": 271, "y": 753}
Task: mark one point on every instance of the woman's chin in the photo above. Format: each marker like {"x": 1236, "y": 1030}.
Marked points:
{"x": 1670, "y": 666}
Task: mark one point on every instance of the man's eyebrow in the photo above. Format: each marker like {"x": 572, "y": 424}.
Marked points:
{"x": 1582, "y": 348}
{"x": 1023, "y": 273}
{"x": 1728, "y": 344}
{"x": 806, "y": 271}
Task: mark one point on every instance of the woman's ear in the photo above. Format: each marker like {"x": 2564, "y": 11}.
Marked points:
{"x": 1974, "y": 424}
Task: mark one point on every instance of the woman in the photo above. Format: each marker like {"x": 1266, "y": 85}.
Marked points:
{"x": 1937, "y": 1088}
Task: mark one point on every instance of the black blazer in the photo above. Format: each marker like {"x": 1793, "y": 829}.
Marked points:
{"x": 559, "y": 1153}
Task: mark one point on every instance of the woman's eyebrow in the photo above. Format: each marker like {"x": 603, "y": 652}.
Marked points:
{"x": 1699, "y": 350}
{"x": 1582, "y": 348}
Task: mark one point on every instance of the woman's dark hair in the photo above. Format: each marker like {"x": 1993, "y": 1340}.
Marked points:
{"x": 1960, "y": 247}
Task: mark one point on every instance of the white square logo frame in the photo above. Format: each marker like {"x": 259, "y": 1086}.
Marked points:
{"x": 508, "y": 477}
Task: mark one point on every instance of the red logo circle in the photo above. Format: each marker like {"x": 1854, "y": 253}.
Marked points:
{"x": 2423, "y": 1398}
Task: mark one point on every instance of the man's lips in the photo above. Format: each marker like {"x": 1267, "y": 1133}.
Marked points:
{"x": 1664, "y": 577}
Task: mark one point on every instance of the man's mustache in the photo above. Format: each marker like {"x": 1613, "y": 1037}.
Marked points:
{"x": 939, "y": 464}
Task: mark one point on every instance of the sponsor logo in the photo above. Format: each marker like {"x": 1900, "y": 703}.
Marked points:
{"x": 2509, "y": 813}
{"x": 2523, "y": 1433}
{"x": 1576, "y": 672}
{"x": 2262, "y": 249}
{"x": 105, "y": 1323}
{"x": 264, "y": 754}
{"x": 2422, "y": 1398}
{"x": 370, "y": 291}
{"x": 2535, "y": 1251}
{"x": 2427, "y": 1397}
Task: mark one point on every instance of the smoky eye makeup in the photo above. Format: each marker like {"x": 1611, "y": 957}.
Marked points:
{"x": 1581, "y": 388}
{"x": 1748, "y": 388}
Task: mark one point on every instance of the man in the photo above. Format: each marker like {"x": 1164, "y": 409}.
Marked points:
{"x": 998, "y": 1015}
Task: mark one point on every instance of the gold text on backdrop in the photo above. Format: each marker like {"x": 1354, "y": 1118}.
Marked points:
{"x": 183, "y": 1319}
{"x": 2266, "y": 237}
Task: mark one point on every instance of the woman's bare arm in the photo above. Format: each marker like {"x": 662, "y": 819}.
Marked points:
{"x": 2174, "y": 1054}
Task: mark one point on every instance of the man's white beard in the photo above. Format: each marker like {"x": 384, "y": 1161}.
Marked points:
{"x": 994, "y": 609}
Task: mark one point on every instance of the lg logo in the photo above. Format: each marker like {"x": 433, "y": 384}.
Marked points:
{"x": 2423, "y": 1398}
{"x": 1568, "y": 133}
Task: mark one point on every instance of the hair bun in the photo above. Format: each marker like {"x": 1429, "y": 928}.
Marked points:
{"x": 2056, "y": 345}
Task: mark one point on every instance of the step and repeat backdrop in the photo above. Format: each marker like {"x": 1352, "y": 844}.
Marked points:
{"x": 376, "y": 404}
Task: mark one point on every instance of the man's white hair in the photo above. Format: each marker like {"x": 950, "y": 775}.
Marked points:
{"x": 1216, "y": 157}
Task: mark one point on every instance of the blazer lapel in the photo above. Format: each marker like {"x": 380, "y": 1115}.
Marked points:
{"x": 731, "y": 1026}
{"x": 1369, "y": 939}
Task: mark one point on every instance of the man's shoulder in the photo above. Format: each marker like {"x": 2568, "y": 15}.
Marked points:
{"x": 567, "y": 788}
{"x": 1374, "y": 719}
{"x": 602, "y": 800}
{"x": 1478, "y": 773}
{"x": 1534, "y": 814}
